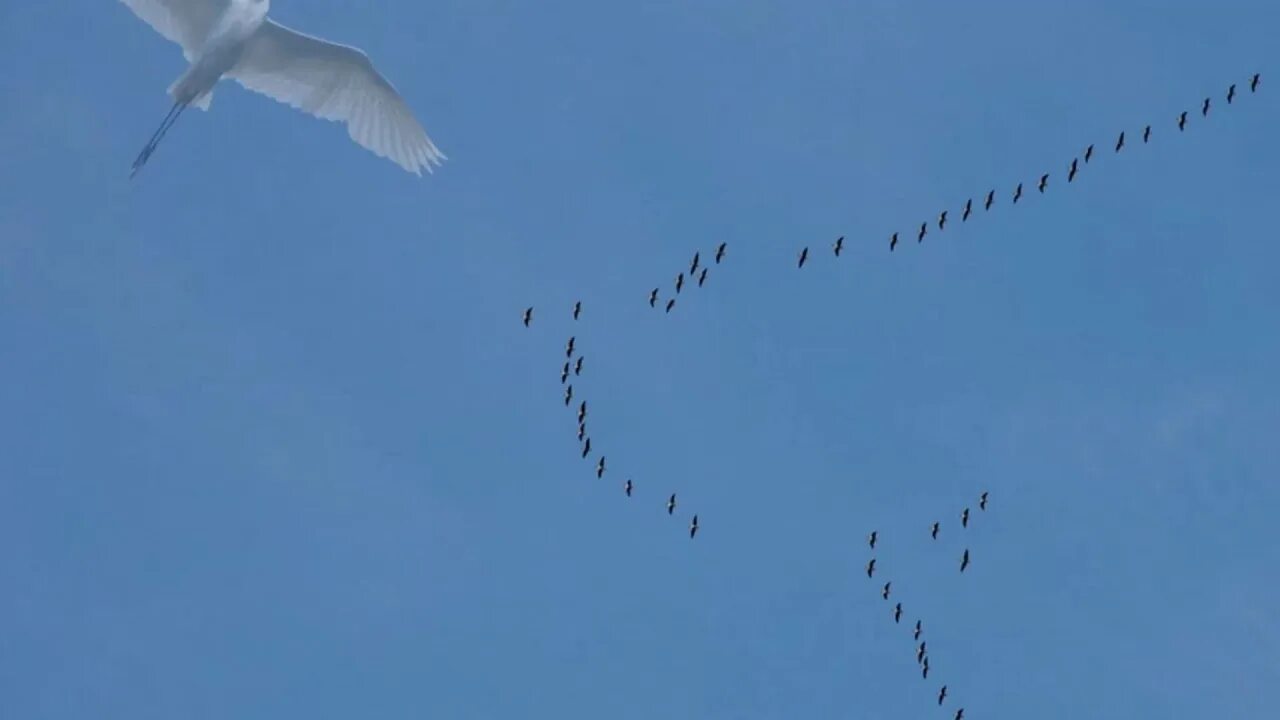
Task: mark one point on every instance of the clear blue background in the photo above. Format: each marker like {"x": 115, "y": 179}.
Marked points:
{"x": 273, "y": 442}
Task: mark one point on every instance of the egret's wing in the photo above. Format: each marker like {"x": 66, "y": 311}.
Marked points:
{"x": 185, "y": 22}
{"x": 336, "y": 82}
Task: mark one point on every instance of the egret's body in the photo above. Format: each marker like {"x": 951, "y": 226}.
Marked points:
{"x": 235, "y": 39}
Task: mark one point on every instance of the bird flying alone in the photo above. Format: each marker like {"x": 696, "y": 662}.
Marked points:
{"x": 600, "y": 467}
{"x": 933, "y": 532}
{"x": 964, "y": 560}
{"x": 235, "y": 39}
{"x": 1253, "y": 84}
{"x": 528, "y": 316}
{"x": 720, "y": 251}
{"x": 1182, "y": 120}
{"x": 804, "y": 255}
{"x": 577, "y": 309}
{"x": 1044, "y": 182}
{"x": 991, "y": 199}
{"x": 626, "y": 487}
{"x": 1204, "y": 109}
{"x": 893, "y": 241}
{"x": 1017, "y": 193}
{"x": 1231, "y": 93}
{"x": 1146, "y": 134}
{"x": 982, "y": 501}
{"x": 671, "y": 504}
{"x": 838, "y": 246}
{"x": 1120, "y": 141}
{"x": 693, "y": 527}
{"x": 924, "y": 230}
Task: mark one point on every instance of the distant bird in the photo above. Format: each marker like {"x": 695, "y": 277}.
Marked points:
{"x": 1231, "y": 93}
{"x": 564, "y": 374}
{"x": 942, "y": 220}
{"x": 1071, "y": 173}
{"x": 577, "y": 367}
{"x": 568, "y": 395}
{"x": 582, "y": 431}
{"x": 968, "y": 210}
{"x": 1017, "y": 194}
{"x": 1120, "y": 141}
{"x": 568, "y": 348}
{"x": 582, "y": 412}
{"x": 1182, "y": 120}
{"x": 982, "y": 501}
{"x": 577, "y": 309}
{"x": 924, "y": 230}
{"x": 1146, "y": 134}
{"x": 804, "y": 255}
{"x": 1088, "y": 153}
{"x": 924, "y": 670}
{"x": 693, "y": 527}
{"x": 964, "y": 518}
{"x": 653, "y": 297}
{"x": 626, "y": 488}
{"x": 897, "y": 612}
{"x": 918, "y": 630}
{"x": 671, "y": 504}
{"x": 920, "y": 652}
{"x": 586, "y": 447}
{"x": 1204, "y": 109}
{"x": 964, "y": 561}
{"x": 702, "y": 277}
{"x": 872, "y": 539}
{"x": 933, "y": 532}
{"x": 991, "y": 199}
{"x": 884, "y": 592}
{"x": 893, "y": 242}
{"x": 670, "y": 304}
{"x": 528, "y": 316}
{"x": 1044, "y": 182}
{"x": 600, "y": 467}
{"x": 960, "y": 714}
{"x": 693, "y": 266}
{"x": 720, "y": 252}
{"x": 679, "y": 282}
{"x": 1253, "y": 84}
{"x": 838, "y": 246}
{"x": 942, "y": 694}
{"x": 871, "y": 567}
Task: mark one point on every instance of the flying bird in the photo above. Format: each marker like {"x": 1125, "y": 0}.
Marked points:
{"x": 653, "y": 297}
{"x": 1231, "y": 93}
{"x": 1071, "y": 172}
{"x": 1204, "y": 109}
{"x": 720, "y": 252}
{"x": 600, "y": 467}
{"x": 577, "y": 309}
{"x": 1017, "y": 193}
{"x": 991, "y": 199}
{"x": 586, "y": 446}
{"x": 564, "y": 374}
{"x": 893, "y": 242}
{"x": 582, "y": 412}
{"x": 1253, "y": 84}
{"x": 670, "y": 304}
{"x": 1120, "y": 141}
{"x": 838, "y": 246}
{"x": 924, "y": 230}
{"x": 568, "y": 395}
{"x": 933, "y": 532}
{"x": 568, "y": 348}
{"x": 942, "y": 220}
{"x": 1088, "y": 153}
{"x": 968, "y": 210}
{"x": 679, "y": 282}
{"x": 897, "y": 612}
{"x": 1044, "y": 182}
{"x": 235, "y": 39}
{"x": 960, "y": 714}
{"x": 918, "y": 630}
{"x": 872, "y": 539}
{"x": 702, "y": 277}
{"x": 1146, "y": 134}
{"x": 804, "y": 255}
{"x": 924, "y": 669}
{"x": 693, "y": 267}
{"x": 964, "y": 561}
{"x": 942, "y": 694}
{"x": 693, "y": 527}
{"x": 671, "y": 504}
{"x": 921, "y": 651}
{"x": 577, "y": 367}
{"x": 582, "y": 431}
{"x": 1182, "y": 120}
{"x": 982, "y": 501}
{"x": 626, "y": 488}
{"x": 871, "y": 567}
{"x": 528, "y": 316}
{"x": 885, "y": 591}
{"x": 964, "y": 518}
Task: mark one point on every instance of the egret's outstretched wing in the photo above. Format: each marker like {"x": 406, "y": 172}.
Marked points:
{"x": 185, "y": 22}
{"x": 336, "y": 82}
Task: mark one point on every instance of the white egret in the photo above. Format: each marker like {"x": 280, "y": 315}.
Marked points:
{"x": 234, "y": 38}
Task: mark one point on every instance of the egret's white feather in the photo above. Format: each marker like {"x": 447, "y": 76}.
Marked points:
{"x": 335, "y": 82}
{"x": 185, "y": 22}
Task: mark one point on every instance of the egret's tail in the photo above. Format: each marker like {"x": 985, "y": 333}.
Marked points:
{"x": 157, "y": 136}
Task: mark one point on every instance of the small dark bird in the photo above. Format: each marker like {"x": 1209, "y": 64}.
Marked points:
{"x": 1231, "y": 93}
{"x": 564, "y": 374}
{"x": 671, "y": 504}
{"x": 920, "y": 652}
{"x": 568, "y": 349}
{"x": 586, "y": 447}
{"x": 582, "y": 412}
{"x": 1017, "y": 193}
{"x": 528, "y": 316}
{"x": 942, "y": 694}
{"x": 924, "y": 671}
{"x": 1182, "y": 120}
{"x": 1044, "y": 182}
{"x": 1204, "y": 109}
{"x": 1088, "y": 153}
{"x": 1120, "y": 141}
{"x": 670, "y": 304}
{"x": 838, "y": 246}
{"x": 568, "y": 395}
{"x": 582, "y": 432}
{"x": 577, "y": 309}
{"x": 964, "y": 561}
{"x": 885, "y": 591}
{"x": 982, "y": 501}
{"x": 626, "y": 488}
{"x": 600, "y": 467}
{"x": 893, "y": 242}
{"x": 918, "y": 630}
{"x": 924, "y": 230}
{"x": 968, "y": 210}
{"x": 693, "y": 527}
{"x": 964, "y": 518}
{"x": 872, "y": 539}
{"x": 679, "y": 282}
{"x": 933, "y": 532}
{"x": 804, "y": 255}
{"x": 942, "y": 220}
{"x": 1146, "y": 134}
{"x": 577, "y": 367}
{"x": 1071, "y": 173}
{"x": 1253, "y": 84}
{"x": 960, "y": 714}
{"x": 720, "y": 252}
{"x": 871, "y": 567}
{"x": 991, "y": 199}
{"x": 653, "y": 297}
{"x": 693, "y": 266}
{"x": 897, "y": 612}
{"x": 702, "y": 277}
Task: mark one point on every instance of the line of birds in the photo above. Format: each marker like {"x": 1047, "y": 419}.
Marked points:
{"x": 573, "y": 367}
{"x": 696, "y": 270}
{"x": 922, "y": 647}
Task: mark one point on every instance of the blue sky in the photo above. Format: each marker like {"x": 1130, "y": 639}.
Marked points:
{"x": 274, "y": 444}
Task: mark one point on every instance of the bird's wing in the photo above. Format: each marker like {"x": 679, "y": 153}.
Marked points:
{"x": 185, "y": 22}
{"x": 336, "y": 82}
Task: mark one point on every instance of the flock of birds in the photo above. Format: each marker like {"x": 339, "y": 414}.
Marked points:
{"x": 571, "y": 369}
{"x": 696, "y": 270}
{"x": 886, "y": 592}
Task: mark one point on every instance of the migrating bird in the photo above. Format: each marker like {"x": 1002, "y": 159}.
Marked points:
{"x": 804, "y": 255}
{"x": 964, "y": 561}
{"x": 964, "y": 518}
{"x": 1231, "y": 93}
{"x": 582, "y": 412}
{"x": 586, "y": 446}
{"x": 1044, "y": 182}
{"x": 670, "y": 304}
{"x": 679, "y": 282}
{"x": 577, "y": 367}
{"x": 693, "y": 267}
{"x": 942, "y": 220}
{"x": 982, "y": 501}
{"x": 1071, "y": 173}
{"x": 872, "y": 539}
{"x": 626, "y": 487}
{"x": 871, "y": 567}
{"x": 893, "y": 242}
{"x": 968, "y": 209}
{"x": 839, "y": 245}
{"x": 720, "y": 252}
{"x": 1120, "y": 141}
{"x": 1017, "y": 193}
{"x": 1253, "y": 84}
{"x": 671, "y": 504}
{"x": 960, "y": 714}
{"x": 991, "y": 199}
{"x": 924, "y": 669}
{"x": 702, "y": 277}
{"x": 1182, "y": 120}
{"x": 920, "y": 652}
{"x": 235, "y": 39}
{"x": 1146, "y": 134}
{"x": 885, "y": 591}
{"x": 693, "y": 527}
{"x": 568, "y": 395}
{"x": 653, "y": 297}
{"x": 942, "y": 694}
{"x": 582, "y": 431}
{"x": 897, "y": 612}
{"x": 564, "y": 374}
{"x": 1088, "y": 153}
{"x": 918, "y": 630}
{"x": 568, "y": 348}
{"x": 933, "y": 532}
{"x": 1204, "y": 109}
{"x": 577, "y": 309}
{"x": 528, "y": 316}
{"x": 600, "y": 467}
{"x": 924, "y": 230}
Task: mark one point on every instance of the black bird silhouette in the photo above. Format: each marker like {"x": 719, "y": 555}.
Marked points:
{"x": 693, "y": 267}
{"x": 1231, "y": 93}
{"x": 1017, "y": 193}
{"x": 872, "y": 539}
{"x": 626, "y": 487}
{"x": 918, "y": 630}
{"x": 838, "y": 246}
{"x": 942, "y": 220}
{"x": 671, "y": 504}
{"x": 702, "y": 277}
{"x": 1182, "y": 120}
{"x": 653, "y": 297}
{"x": 577, "y": 367}
{"x": 1253, "y": 84}
{"x": 1204, "y": 109}
{"x": 924, "y": 230}
{"x": 568, "y": 349}
{"x": 720, "y": 252}
{"x": 679, "y": 282}
{"x": 897, "y": 612}
{"x": 871, "y": 567}
{"x": 528, "y": 316}
{"x": 885, "y": 592}
{"x": 670, "y": 304}
{"x": 960, "y": 714}
{"x": 934, "y": 531}
{"x": 564, "y": 374}
{"x": 1044, "y": 182}
{"x": 968, "y": 210}
{"x": 1088, "y": 153}
{"x": 924, "y": 670}
{"x": 582, "y": 412}
{"x": 991, "y": 199}
{"x": 964, "y": 518}
{"x": 942, "y": 694}
{"x": 1146, "y": 134}
{"x": 568, "y": 395}
{"x": 982, "y": 501}
{"x": 920, "y": 652}
{"x": 1071, "y": 173}
{"x": 577, "y": 309}
{"x": 804, "y": 255}
{"x": 693, "y": 527}
{"x": 600, "y": 467}
{"x": 964, "y": 561}
{"x": 1120, "y": 141}
{"x": 582, "y": 431}
{"x": 893, "y": 242}
{"x": 586, "y": 448}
